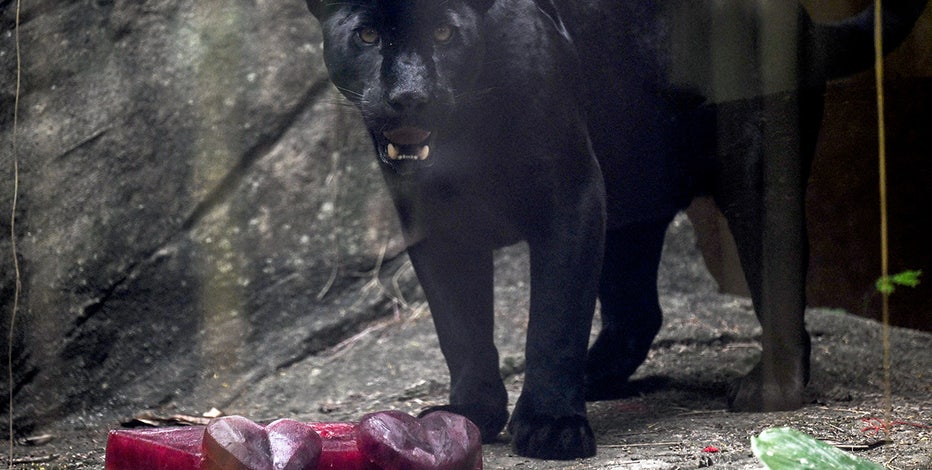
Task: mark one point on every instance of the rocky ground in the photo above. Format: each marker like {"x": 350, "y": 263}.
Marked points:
{"x": 676, "y": 414}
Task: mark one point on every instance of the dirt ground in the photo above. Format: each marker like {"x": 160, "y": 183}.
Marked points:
{"x": 675, "y": 416}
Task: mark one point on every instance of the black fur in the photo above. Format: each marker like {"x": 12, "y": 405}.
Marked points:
{"x": 582, "y": 127}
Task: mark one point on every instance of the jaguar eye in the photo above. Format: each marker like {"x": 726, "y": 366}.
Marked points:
{"x": 443, "y": 34}
{"x": 368, "y": 35}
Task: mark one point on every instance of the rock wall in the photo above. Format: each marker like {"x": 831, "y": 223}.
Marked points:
{"x": 186, "y": 174}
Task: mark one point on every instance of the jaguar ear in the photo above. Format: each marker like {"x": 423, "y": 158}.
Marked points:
{"x": 481, "y": 6}
{"x": 317, "y": 7}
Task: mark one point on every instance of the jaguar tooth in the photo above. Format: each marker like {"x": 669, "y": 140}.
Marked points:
{"x": 424, "y": 152}
{"x": 392, "y": 151}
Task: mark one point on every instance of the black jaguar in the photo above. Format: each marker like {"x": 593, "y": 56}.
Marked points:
{"x": 582, "y": 127}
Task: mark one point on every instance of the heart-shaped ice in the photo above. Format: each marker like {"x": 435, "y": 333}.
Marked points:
{"x": 439, "y": 441}
{"x": 236, "y": 443}
{"x": 293, "y": 445}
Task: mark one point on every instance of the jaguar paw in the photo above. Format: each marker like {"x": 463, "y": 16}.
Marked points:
{"x": 757, "y": 393}
{"x": 612, "y": 360}
{"x": 552, "y": 438}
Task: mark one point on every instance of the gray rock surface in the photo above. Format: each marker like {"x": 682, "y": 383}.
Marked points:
{"x": 186, "y": 174}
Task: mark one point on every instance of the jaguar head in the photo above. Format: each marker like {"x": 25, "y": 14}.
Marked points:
{"x": 406, "y": 64}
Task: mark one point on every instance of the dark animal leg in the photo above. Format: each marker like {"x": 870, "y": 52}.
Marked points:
{"x": 765, "y": 208}
{"x": 631, "y": 315}
{"x": 459, "y": 287}
{"x": 549, "y": 421}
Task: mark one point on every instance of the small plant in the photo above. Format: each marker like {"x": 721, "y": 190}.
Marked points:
{"x": 790, "y": 449}
{"x": 887, "y": 284}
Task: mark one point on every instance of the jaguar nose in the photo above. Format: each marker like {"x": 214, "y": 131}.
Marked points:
{"x": 408, "y": 80}
{"x": 408, "y": 99}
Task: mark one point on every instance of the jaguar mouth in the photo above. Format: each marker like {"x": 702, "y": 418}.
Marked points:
{"x": 406, "y": 144}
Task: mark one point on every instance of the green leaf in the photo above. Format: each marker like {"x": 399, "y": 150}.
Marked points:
{"x": 907, "y": 278}
{"x": 790, "y": 449}
{"x": 887, "y": 284}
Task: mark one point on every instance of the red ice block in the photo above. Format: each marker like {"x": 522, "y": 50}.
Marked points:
{"x": 185, "y": 448}
{"x": 338, "y": 447}
{"x": 155, "y": 449}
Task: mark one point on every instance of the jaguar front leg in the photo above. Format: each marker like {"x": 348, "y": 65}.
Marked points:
{"x": 458, "y": 282}
{"x": 549, "y": 420}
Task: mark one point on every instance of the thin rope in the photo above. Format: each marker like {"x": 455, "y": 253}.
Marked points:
{"x": 17, "y": 282}
{"x": 884, "y": 240}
